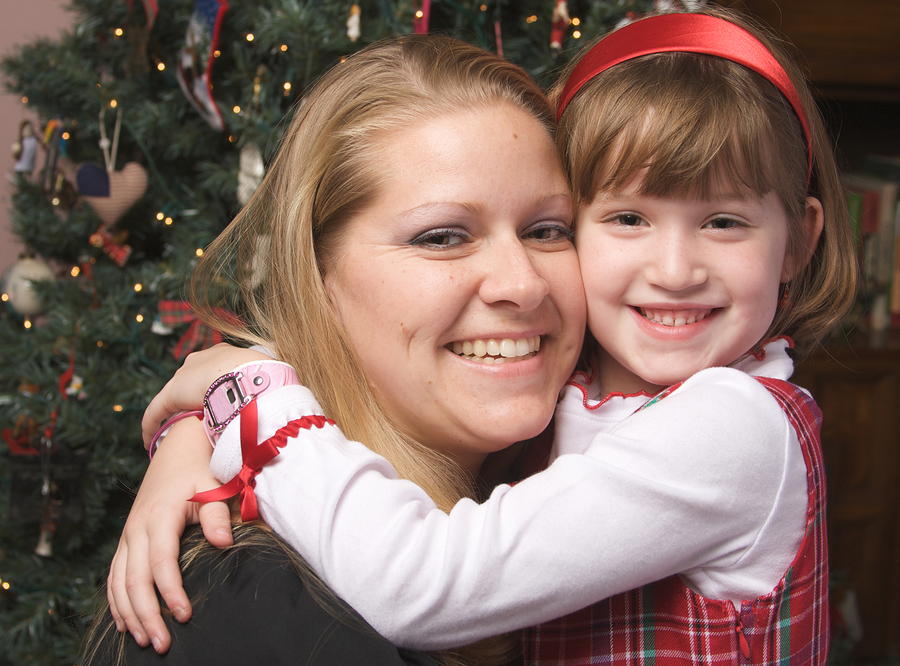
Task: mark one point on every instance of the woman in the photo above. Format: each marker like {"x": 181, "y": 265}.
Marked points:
{"x": 417, "y": 202}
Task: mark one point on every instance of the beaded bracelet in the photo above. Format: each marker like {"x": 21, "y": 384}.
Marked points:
{"x": 168, "y": 423}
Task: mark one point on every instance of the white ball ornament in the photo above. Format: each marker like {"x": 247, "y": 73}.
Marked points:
{"x": 17, "y": 285}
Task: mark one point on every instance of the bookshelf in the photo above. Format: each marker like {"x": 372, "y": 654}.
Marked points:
{"x": 851, "y": 52}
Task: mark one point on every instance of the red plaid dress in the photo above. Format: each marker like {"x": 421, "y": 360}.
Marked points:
{"x": 667, "y": 623}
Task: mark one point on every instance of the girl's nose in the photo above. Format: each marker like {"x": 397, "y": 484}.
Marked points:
{"x": 676, "y": 265}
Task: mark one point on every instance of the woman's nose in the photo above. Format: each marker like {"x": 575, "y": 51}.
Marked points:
{"x": 510, "y": 276}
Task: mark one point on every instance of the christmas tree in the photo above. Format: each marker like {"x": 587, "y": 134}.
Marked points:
{"x": 156, "y": 120}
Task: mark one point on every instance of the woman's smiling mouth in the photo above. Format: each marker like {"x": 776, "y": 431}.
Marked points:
{"x": 491, "y": 350}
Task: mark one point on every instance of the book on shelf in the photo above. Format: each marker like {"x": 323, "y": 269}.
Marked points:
{"x": 872, "y": 200}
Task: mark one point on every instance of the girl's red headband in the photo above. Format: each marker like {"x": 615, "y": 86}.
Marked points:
{"x": 687, "y": 33}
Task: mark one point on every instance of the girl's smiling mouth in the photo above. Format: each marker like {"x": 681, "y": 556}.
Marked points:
{"x": 680, "y": 317}
{"x": 492, "y": 350}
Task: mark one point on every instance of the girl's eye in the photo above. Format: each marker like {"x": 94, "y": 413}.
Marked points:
{"x": 722, "y": 223}
{"x": 550, "y": 233}
{"x": 439, "y": 238}
{"x": 628, "y": 219}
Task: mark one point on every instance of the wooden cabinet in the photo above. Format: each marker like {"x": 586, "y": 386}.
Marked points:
{"x": 858, "y": 390}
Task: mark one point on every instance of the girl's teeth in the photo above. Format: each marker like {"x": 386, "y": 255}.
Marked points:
{"x": 674, "y": 317}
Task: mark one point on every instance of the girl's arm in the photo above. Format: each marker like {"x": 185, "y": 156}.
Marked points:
{"x": 690, "y": 481}
{"x": 148, "y": 548}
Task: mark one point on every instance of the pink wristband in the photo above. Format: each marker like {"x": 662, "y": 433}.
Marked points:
{"x": 164, "y": 428}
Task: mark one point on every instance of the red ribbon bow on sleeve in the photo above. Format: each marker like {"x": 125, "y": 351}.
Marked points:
{"x": 255, "y": 456}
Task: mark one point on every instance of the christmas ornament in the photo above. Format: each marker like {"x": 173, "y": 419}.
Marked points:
{"x": 559, "y": 25}
{"x": 25, "y": 149}
{"x": 195, "y": 60}
{"x": 113, "y": 245}
{"x": 59, "y": 191}
{"x": 112, "y": 193}
{"x": 151, "y": 9}
{"x": 353, "y": 23}
{"x": 116, "y": 193}
{"x": 251, "y": 173}
{"x": 18, "y": 285}
{"x": 420, "y": 22}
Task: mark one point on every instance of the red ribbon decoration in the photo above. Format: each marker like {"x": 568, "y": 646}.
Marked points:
{"x": 198, "y": 335}
{"x": 255, "y": 456}
{"x": 687, "y": 33}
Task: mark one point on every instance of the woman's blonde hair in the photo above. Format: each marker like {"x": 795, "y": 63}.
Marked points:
{"x": 696, "y": 121}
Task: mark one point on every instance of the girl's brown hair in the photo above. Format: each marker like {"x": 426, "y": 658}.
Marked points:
{"x": 692, "y": 122}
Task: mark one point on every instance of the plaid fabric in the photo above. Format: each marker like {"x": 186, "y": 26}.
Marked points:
{"x": 667, "y": 623}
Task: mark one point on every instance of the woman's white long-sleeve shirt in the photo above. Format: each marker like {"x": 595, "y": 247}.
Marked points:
{"x": 709, "y": 482}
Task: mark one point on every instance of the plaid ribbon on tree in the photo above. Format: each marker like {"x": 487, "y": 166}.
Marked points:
{"x": 198, "y": 335}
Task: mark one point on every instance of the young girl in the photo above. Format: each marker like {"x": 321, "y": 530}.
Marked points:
{"x": 711, "y": 226}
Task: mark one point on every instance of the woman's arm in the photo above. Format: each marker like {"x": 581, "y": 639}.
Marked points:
{"x": 688, "y": 482}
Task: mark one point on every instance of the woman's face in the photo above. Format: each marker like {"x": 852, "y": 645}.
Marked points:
{"x": 459, "y": 286}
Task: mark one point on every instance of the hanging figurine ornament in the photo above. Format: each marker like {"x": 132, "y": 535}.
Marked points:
{"x": 559, "y": 25}
{"x": 195, "y": 60}
{"x": 25, "y": 149}
{"x": 353, "y": 23}
{"x": 111, "y": 193}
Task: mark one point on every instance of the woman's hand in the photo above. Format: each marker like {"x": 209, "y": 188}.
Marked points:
{"x": 189, "y": 384}
{"x": 149, "y": 546}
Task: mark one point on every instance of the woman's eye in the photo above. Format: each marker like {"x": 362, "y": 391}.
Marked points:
{"x": 440, "y": 238}
{"x": 551, "y": 232}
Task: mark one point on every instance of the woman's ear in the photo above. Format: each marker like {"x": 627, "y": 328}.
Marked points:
{"x": 813, "y": 222}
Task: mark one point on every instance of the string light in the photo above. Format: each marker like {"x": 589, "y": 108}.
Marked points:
{"x": 24, "y": 100}
{"x": 250, "y": 37}
{"x": 284, "y": 47}
{"x": 75, "y": 272}
{"x": 217, "y": 53}
{"x": 5, "y": 585}
{"x": 4, "y": 297}
{"x": 139, "y": 318}
{"x": 531, "y": 19}
{"x": 161, "y": 66}
{"x": 113, "y": 103}
{"x": 117, "y": 408}
{"x": 65, "y": 135}
{"x": 100, "y": 343}
{"x": 160, "y": 215}
{"x": 419, "y": 14}
{"x": 27, "y": 323}
{"x": 119, "y": 32}
{"x": 483, "y": 8}
{"x": 138, "y": 286}
{"x": 287, "y": 86}
{"x": 169, "y": 221}
{"x": 577, "y": 34}
{"x": 576, "y": 21}
{"x": 199, "y": 252}
{"x": 236, "y": 109}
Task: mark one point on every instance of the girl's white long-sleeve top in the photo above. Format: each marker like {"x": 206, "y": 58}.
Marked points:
{"x": 709, "y": 483}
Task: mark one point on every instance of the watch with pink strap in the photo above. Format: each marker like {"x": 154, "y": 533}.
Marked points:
{"x": 231, "y": 392}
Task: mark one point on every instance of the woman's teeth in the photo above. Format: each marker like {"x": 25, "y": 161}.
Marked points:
{"x": 506, "y": 350}
{"x": 674, "y": 317}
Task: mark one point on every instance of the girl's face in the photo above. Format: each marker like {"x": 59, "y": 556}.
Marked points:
{"x": 459, "y": 286}
{"x": 676, "y": 286}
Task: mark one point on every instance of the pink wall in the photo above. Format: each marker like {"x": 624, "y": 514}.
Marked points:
{"x": 20, "y": 23}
